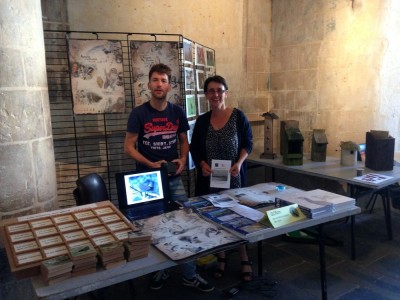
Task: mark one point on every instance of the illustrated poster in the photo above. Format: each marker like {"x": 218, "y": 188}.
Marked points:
{"x": 190, "y": 106}
{"x": 97, "y": 81}
{"x": 200, "y": 55}
{"x": 189, "y": 79}
{"x": 146, "y": 54}
{"x": 202, "y": 104}
{"x": 187, "y": 52}
{"x": 200, "y": 79}
{"x": 210, "y": 58}
{"x": 181, "y": 235}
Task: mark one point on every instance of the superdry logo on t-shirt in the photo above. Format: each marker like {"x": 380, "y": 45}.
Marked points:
{"x": 151, "y": 129}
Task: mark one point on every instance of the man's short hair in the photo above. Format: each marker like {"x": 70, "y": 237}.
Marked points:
{"x": 162, "y": 69}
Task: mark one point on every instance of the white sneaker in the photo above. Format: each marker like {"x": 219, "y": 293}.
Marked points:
{"x": 199, "y": 283}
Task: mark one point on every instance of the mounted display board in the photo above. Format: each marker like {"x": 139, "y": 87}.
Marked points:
{"x": 94, "y": 81}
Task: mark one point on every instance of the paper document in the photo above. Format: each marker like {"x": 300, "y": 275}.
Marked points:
{"x": 373, "y": 178}
{"x": 259, "y": 193}
{"x": 248, "y": 212}
{"x": 221, "y": 200}
{"x": 220, "y": 176}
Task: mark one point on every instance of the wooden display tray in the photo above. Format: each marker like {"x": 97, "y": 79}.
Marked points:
{"x": 31, "y": 239}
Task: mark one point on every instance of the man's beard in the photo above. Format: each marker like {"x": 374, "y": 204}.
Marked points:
{"x": 163, "y": 96}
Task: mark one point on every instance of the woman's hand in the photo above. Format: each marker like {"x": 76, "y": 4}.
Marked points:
{"x": 235, "y": 169}
{"x": 205, "y": 169}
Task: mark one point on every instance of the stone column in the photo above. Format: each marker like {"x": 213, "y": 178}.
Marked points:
{"x": 27, "y": 165}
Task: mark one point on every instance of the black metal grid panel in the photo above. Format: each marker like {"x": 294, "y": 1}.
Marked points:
{"x": 92, "y": 143}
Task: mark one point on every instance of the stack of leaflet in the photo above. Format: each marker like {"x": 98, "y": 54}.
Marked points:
{"x": 316, "y": 203}
{"x": 311, "y": 208}
{"x": 339, "y": 202}
{"x": 84, "y": 258}
{"x": 56, "y": 269}
{"x": 112, "y": 255}
{"x": 138, "y": 245}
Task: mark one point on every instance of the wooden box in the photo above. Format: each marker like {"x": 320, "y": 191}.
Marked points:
{"x": 291, "y": 144}
{"x": 31, "y": 239}
{"x": 318, "y": 146}
{"x": 379, "y": 152}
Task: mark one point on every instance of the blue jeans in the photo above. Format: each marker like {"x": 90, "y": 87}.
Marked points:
{"x": 177, "y": 192}
{"x": 176, "y": 189}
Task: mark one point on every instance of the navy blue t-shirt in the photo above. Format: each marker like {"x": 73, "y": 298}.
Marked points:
{"x": 157, "y": 131}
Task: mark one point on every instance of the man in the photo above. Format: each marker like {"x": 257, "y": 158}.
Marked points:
{"x": 157, "y": 126}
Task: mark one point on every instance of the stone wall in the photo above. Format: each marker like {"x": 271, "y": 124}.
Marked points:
{"x": 27, "y": 165}
{"x": 333, "y": 67}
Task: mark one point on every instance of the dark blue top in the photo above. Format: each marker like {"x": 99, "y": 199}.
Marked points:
{"x": 157, "y": 131}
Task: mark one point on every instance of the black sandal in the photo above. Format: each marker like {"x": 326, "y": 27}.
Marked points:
{"x": 219, "y": 272}
{"x": 247, "y": 276}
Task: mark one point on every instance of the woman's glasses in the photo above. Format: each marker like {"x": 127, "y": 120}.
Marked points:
{"x": 219, "y": 91}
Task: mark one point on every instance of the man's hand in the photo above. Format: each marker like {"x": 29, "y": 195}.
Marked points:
{"x": 157, "y": 164}
{"x": 180, "y": 165}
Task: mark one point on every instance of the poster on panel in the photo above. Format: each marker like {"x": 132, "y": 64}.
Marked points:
{"x": 210, "y": 57}
{"x": 145, "y": 54}
{"x": 187, "y": 52}
{"x": 97, "y": 82}
{"x": 190, "y": 106}
{"x": 200, "y": 55}
{"x": 200, "y": 79}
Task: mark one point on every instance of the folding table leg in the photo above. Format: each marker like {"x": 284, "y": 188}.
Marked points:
{"x": 260, "y": 258}
{"x": 322, "y": 261}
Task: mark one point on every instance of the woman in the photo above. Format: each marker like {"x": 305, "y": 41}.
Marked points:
{"x": 222, "y": 133}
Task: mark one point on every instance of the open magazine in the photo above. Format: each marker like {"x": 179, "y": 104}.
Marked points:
{"x": 233, "y": 219}
{"x": 181, "y": 235}
{"x": 260, "y": 194}
{"x": 236, "y": 217}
